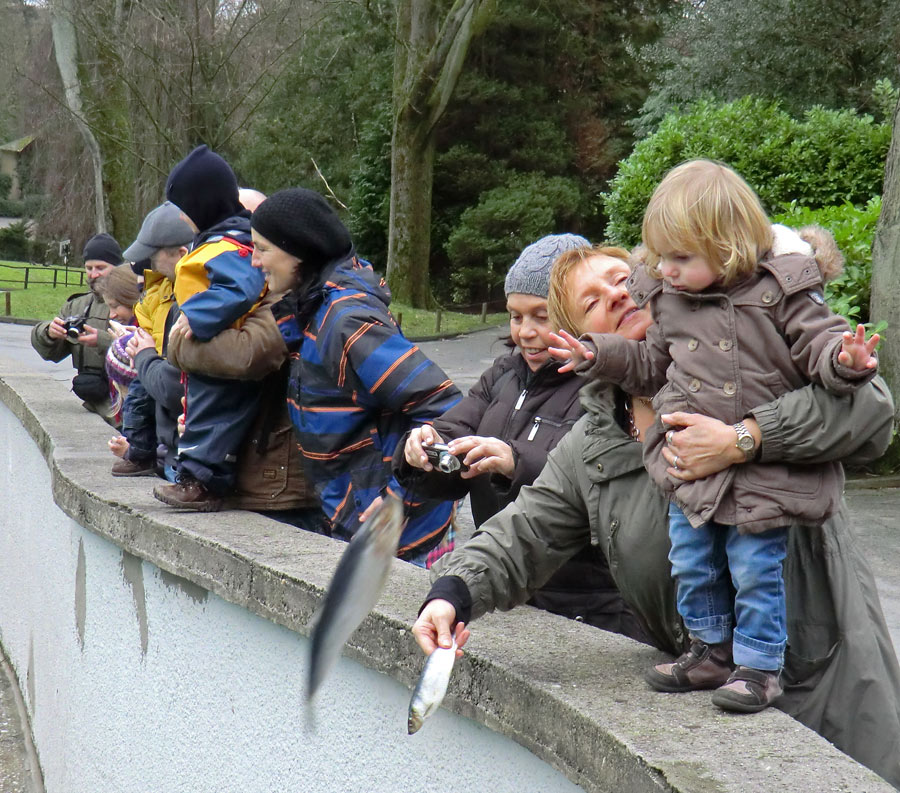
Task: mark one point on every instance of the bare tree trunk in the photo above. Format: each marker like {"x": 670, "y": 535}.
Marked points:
{"x": 431, "y": 49}
{"x": 65, "y": 47}
{"x": 885, "y": 296}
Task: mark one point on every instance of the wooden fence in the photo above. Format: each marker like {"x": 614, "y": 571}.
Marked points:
{"x": 38, "y": 275}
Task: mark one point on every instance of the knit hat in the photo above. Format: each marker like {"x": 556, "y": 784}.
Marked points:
{"x": 102, "y": 247}
{"x": 530, "y": 275}
{"x": 119, "y": 366}
{"x": 302, "y": 223}
{"x": 204, "y": 187}
{"x": 162, "y": 228}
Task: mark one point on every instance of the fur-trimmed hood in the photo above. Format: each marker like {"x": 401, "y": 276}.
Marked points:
{"x": 813, "y": 241}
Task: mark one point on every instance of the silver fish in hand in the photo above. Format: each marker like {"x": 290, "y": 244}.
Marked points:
{"x": 432, "y": 686}
{"x": 355, "y": 588}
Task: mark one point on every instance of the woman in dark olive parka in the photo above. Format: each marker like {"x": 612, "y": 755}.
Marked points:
{"x": 841, "y": 675}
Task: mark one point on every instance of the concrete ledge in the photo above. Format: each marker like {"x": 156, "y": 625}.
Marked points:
{"x": 571, "y": 694}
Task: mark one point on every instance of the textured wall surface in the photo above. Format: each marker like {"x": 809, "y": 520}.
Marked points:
{"x": 139, "y": 679}
{"x": 164, "y": 650}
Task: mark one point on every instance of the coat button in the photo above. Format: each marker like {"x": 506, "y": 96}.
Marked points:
{"x": 723, "y": 304}
{"x": 694, "y": 385}
{"x": 692, "y": 344}
{"x": 729, "y": 388}
{"x": 614, "y": 524}
{"x": 725, "y": 345}
{"x": 767, "y": 297}
{"x": 599, "y": 466}
{"x": 694, "y": 305}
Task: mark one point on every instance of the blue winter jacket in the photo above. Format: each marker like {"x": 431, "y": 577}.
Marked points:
{"x": 356, "y": 386}
{"x": 215, "y": 284}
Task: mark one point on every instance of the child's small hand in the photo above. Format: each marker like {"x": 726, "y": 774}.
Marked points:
{"x": 569, "y": 350}
{"x": 118, "y": 445}
{"x": 856, "y": 352}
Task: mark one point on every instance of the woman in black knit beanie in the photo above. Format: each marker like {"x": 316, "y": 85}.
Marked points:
{"x": 356, "y": 383}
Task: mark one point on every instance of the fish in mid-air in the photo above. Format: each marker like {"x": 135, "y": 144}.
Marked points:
{"x": 432, "y": 686}
{"x": 355, "y": 588}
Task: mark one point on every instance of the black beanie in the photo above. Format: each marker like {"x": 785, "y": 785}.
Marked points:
{"x": 302, "y": 223}
{"x": 102, "y": 247}
{"x": 204, "y": 187}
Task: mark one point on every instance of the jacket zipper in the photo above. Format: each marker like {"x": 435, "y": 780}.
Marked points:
{"x": 534, "y": 428}
{"x": 521, "y": 400}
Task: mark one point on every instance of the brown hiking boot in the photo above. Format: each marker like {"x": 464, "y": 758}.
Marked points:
{"x": 704, "y": 666}
{"x": 125, "y": 467}
{"x": 748, "y": 690}
{"x": 188, "y": 493}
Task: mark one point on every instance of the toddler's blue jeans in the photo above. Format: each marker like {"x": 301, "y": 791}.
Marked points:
{"x": 749, "y": 606}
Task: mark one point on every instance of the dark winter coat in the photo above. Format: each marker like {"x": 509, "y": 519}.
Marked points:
{"x": 841, "y": 674}
{"x": 532, "y": 412}
{"x": 720, "y": 352}
{"x": 356, "y": 386}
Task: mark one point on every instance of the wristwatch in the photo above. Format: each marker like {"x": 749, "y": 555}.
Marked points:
{"x": 745, "y": 440}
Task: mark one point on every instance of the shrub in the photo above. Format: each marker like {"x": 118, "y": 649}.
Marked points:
{"x": 491, "y": 234}
{"x": 827, "y": 158}
{"x": 15, "y": 244}
{"x": 853, "y": 229}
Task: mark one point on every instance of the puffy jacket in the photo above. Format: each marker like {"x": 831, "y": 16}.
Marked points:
{"x": 215, "y": 284}
{"x": 532, "y": 412}
{"x": 153, "y": 309}
{"x": 841, "y": 674}
{"x": 356, "y": 386}
{"x": 720, "y": 352}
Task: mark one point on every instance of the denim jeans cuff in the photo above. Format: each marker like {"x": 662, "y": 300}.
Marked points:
{"x": 758, "y": 655}
{"x": 712, "y": 630}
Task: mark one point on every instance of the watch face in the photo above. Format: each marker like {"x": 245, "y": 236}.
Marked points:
{"x": 746, "y": 443}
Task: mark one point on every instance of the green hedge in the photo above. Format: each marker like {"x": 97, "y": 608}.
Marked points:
{"x": 853, "y": 229}
{"x": 827, "y": 158}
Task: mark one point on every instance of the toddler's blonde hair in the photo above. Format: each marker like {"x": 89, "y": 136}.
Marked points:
{"x": 704, "y": 208}
{"x": 559, "y": 304}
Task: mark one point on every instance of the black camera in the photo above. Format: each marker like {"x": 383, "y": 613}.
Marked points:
{"x": 74, "y": 327}
{"x": 439, "y": 456}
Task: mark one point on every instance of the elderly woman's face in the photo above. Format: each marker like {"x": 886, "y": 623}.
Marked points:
{"x": 600, "y": 301}
{"x": 280, "y": 268}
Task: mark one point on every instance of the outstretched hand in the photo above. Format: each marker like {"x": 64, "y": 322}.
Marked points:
{"x": 856, "y": 352}
{"x": 569, "y": 350}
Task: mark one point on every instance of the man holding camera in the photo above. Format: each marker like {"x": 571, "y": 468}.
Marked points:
{"x": 81, "y": 328}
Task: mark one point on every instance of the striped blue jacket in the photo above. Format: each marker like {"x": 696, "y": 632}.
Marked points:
{"x": 357, "y": 385}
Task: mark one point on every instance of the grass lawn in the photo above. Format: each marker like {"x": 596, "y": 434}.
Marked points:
{"x": 417, "y": 323}
{"x": 41, "y": 301}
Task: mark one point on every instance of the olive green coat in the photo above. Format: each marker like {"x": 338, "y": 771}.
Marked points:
{"x": 841, "y": 675}
{"x": 84, "y": 359}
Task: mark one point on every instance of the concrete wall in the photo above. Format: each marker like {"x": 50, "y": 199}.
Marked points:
{"x": 166, "y": 651}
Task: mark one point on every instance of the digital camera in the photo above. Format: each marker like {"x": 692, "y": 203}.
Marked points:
{"x": 440, "y": 457}
{"x": 74, "y": 327}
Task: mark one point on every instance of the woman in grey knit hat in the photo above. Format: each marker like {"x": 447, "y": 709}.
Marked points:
{"x": 503, "y": 430}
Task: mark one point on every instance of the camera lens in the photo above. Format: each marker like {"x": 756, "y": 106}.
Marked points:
{"x": 448, "y": 463}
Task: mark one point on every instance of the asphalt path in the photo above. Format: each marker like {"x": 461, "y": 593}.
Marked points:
{"x": 876, "y": 511}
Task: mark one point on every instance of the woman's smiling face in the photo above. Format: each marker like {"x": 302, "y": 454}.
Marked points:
{"x": 599, "y": 298}
{"x": 280, "y": 268}
{"x": 529, "y": 326}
